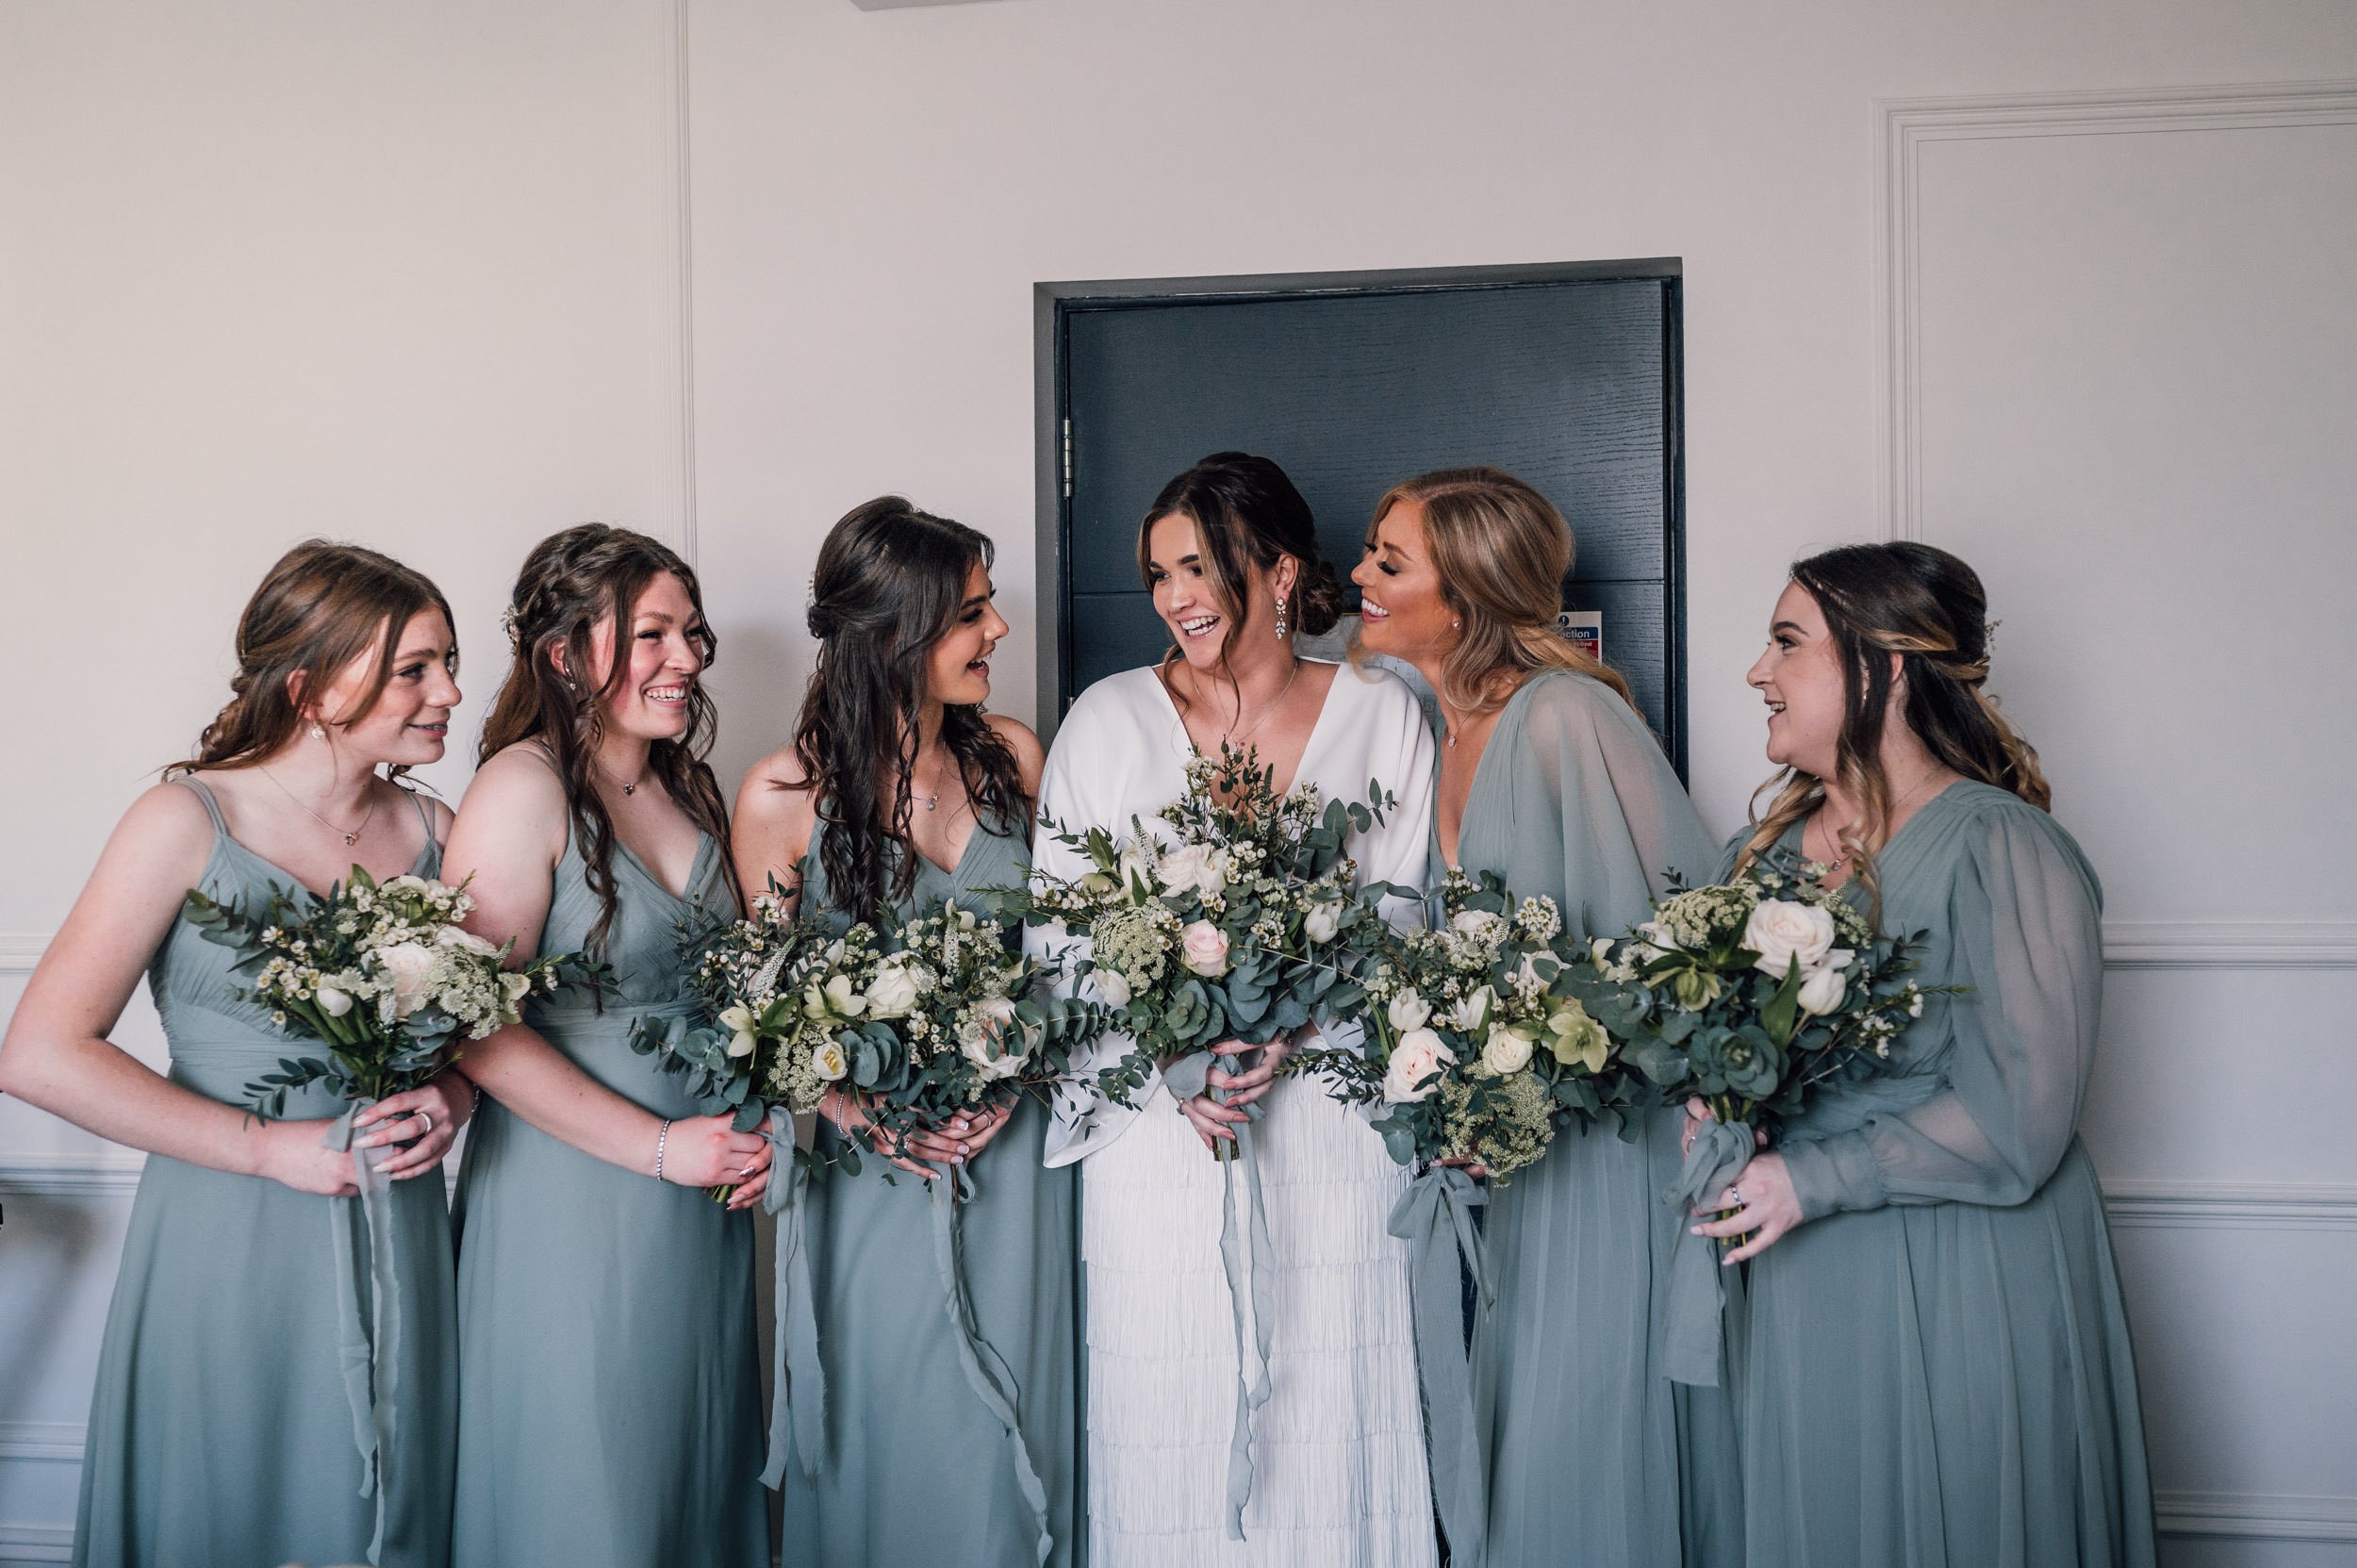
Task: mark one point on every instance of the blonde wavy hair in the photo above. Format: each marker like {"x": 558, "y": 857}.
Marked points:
{"x": 1503, "y": 552}
{"x": 1928, "y": 607}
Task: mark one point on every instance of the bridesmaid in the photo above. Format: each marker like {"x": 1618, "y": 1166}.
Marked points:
{"x": 1939, "y": 1370}
{"x": 900, "y": 790}
{"x": 611, "y": 1386}
{"x": 222, "y": 1429}
{"x": 1550, "y": 778}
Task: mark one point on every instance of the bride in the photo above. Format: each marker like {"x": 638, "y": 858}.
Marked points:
{"x": 1337, "y": 1453}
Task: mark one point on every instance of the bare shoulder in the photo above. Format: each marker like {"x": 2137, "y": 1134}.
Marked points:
{"x": 777, "y": 791}
{"x": 1031, "y": 757}
{"x": 514, "y": 799}
{"x": 437, "y": 812}
{"x": 168, "y": 822}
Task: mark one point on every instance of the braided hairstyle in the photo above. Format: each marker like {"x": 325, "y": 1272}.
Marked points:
{"x": 569, "y": 582}
{"x": 888, "y": 586}
{"x": 322, "y": 606}
{"x": 1928, "y": 607}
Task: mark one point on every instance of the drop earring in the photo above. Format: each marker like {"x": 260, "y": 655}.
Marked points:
{"x": 319, "y": 731}
{"x": 1281, "y": 622}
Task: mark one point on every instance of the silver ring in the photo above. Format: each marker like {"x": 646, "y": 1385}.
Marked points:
{"x": 427, "y": 1117}
{"x": 1734, "y": 1199}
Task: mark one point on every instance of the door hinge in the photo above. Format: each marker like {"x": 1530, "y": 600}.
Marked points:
{"x": 1067, "y": 459}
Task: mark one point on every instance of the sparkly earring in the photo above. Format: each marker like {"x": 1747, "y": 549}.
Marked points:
{"x": 319, "y": 731}
{"x": 1281, "y": 622}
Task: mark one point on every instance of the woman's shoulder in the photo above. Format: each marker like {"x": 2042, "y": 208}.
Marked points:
{"x": 1570, "y": 698}
{"x": 1984, "y": 835}
{"x": 1372, "y": 689}
{"x": 1030, "y": 755}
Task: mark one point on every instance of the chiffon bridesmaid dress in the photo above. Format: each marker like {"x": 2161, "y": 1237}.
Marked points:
{"x": 916, "y": 1470}
{"x": 610, "y": 1381}
{"x": 1596, "y": 1460}
{"x": 223, "y": 1430}
{"x": 1939, "y": 1372}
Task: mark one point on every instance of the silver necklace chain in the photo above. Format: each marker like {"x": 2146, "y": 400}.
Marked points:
{"x": 351, "y": 836}
{"x": 1227, "y": 737}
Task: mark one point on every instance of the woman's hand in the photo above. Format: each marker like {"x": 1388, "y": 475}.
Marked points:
{"x": 1473, "y": 1168}
{"x": 847, "y": 1110}
{"x": 295, "y": 1154}
{"x": 1698, "y": 1111}
{"x": 1764, "y": 1205}
{"x": 1214, "y": 1120}
{"x": 426, "y": 1118}
{"x": 707, "y": 1151}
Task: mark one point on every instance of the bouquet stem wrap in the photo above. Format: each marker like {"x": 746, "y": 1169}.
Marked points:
{"x": 797, "y": 1394}
{"x": 1697, "y": 1295}
{"x": 1436, "y": 1204}
{"x": 987, "y": 1371}
{"x": 367, "y": 1347}
{"x": 1250, "y": 1262}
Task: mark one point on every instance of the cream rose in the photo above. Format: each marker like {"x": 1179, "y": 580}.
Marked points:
{"x": 893, "y": 993}
{"x": 409, "y": 967}
{"x": 1322, "y": 920}
{"x": 1200, "y": 868}
{"x": 1409, "y": 1011}
{"x": 1416, "y": 1058}
{"x": 1110, "y": 986}
{"x": 332, "y": 1002}
{"x": 993, "y": 1040}
{"x": 1505, "y": 1052}
{"x": 1478, "y": 925}
{"x": 1822, "y": 992}
{"x": 828, "y": 1063}
{"x": 1785, "y": 932}
{"x": 1203, "y": 947}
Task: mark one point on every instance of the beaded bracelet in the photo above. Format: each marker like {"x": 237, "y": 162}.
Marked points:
{"x": 661, "y": 1139}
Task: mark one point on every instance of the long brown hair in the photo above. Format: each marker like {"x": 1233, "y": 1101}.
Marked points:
{"x": 1928, "y": 607}
{"x": 1247, "y": 513}
{"x": 322, "y": 606}
{"x": 888, "y": 586}
{"x": 1503, "y": 552}
{"x": 569, "y": 582}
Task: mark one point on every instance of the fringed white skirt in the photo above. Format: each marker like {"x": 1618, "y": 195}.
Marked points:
{"x": 1337, "y": 1451}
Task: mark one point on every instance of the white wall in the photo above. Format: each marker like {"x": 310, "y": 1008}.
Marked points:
{"x": 411, "y": 277}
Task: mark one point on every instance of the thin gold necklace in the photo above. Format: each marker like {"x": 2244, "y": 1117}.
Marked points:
{"x": 1228, "y": 738}
{"x": 350, "y": 836}
{"x": 1838, "y": 861}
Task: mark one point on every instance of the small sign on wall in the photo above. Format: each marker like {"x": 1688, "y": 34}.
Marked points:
{"x": 1586, "y": 629}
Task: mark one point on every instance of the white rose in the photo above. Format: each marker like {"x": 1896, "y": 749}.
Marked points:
{"x": 1110, "y": 986}
{"x": 1471, "y": 1013}
{"x": 1417, "y": 1057}
{"x": 1323, "y": 921}
{"x": 1822, "y": 991}
{"x": 1783, "y": 932}
{"x": 1203, "y": 947}
{"x": 1194, "y": 867}
{"x": 1478, "y": 925}
{"x": 828, "y": 1063}
{"x": 739, "y": 1022}
{"x": 893, "y": 992}
{"x": 467, "y": 942}
{"x": 1409, "y": 1011}
{"x": 1505, "y": 1052}
{"x": 994, "y": 1044}
{"x": 332, "y": 1002}
{"x": 409, "y": 966}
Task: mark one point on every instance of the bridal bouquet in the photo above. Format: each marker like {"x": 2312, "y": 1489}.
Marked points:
{"x": 1480, "y": 1046}
{"x": 1235, "y": 915}
{"x": 382, "y": 974}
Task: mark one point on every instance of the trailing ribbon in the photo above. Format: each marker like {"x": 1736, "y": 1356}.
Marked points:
{"x": 1691, "y": 1337}
{"x": 987, "y": 1371}
{"x": 1250, "y": 1263}
{"x": 797, "y": 1393}
{"x": 368, "y": 1349}
{"x": 1441, "y": 1200}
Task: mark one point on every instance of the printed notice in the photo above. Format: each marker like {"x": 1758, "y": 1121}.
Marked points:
{"x": 1586, "y": 629}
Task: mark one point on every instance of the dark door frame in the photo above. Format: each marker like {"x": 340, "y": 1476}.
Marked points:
{"x": 1054, "y": 304}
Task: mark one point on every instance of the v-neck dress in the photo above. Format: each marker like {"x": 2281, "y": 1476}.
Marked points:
{"x": 895, "y": 1385}
{"x": 220, "y": 1429}
{"x": 1573, "y": 798}
{"x": 1337, "y": 1451}
{"x": 610, "y": 1378}
{"x": 1939, "y": 1367}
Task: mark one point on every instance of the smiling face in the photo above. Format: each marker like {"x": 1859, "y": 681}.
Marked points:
{"x": 1800, "y": 677}
{"x": 408, "y": 725}
{"x": 665, "y": 657}
{"x": 957, "y": 668}
{"x": 1200, "y": 620}
{"x": 1402, "y": 610}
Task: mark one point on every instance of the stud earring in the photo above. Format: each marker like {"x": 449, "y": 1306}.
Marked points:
{"x": 1281, "y": 622}
{"x": 1455, "y": 624}
{"x": 319, "y": 731}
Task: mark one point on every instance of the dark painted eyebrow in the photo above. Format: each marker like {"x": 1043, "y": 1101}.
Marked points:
{"x": 423, "y": 653}
{"x": 1183, "y": 560}
{"x": 979, "y": 599}
{"x": 663, "y": 616}
{"x": 1789, "y": 626}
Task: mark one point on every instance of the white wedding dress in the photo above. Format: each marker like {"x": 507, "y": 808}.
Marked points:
{"x": 1337, "y": 1451}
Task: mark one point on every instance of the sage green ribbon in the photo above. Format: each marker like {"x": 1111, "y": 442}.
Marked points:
{"x": 798, "y": 1393}
{"x": 987, "y": 1371}
{"x": 366, "y": 1348}
{"x": 1441, "y": 1199}
{"x": 1697, "y": 1302}
{"x": 1250, "y": 1263}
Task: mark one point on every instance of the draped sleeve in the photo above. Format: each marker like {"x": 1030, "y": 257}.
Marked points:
{"x": 2022, "y": 916}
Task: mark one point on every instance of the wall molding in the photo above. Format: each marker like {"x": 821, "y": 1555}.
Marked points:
{"x": 42, "y": 1442}
{"x": 1904, "y": 126}
{"x": 2229, "y": 945}
{"x": 21, "y": 949}
{"x": 32, "y": 1544}
{"x": 111, "y": 1171}
{"x": 2255, "y": 1516}
{"x": 2232, "y": 1205}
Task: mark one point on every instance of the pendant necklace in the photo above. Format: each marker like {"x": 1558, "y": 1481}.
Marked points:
{"x": 350, "y": 836}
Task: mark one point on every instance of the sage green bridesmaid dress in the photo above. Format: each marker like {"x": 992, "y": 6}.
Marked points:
{"x": 223, "y": 1429}
{"x": 915, "y": 1470}
{"x": 609, "y": 1374}
{"x": 1596, "y": 1459}
{"x": 1938, "y": 1369}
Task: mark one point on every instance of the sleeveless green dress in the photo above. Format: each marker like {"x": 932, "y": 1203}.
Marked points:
{"x": 1939, "y": 1368}
{"x": 222, "y": 1429}
{"x": 916, "y": 1470}
{"x": 1595, "y": 1459}
{"x": 610, "y": 1378}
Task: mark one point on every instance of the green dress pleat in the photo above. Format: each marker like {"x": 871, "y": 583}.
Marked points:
{"x": 221, "y": 1431}
{"x": 1938, "y": 1369}
{"x": 917, "y": 1471}
{"x": 1596, "y": 1459}
{"x": 610, "y": 1380}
